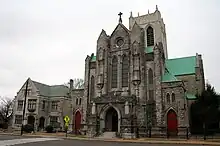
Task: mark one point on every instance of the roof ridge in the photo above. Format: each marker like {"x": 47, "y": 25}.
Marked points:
{"x": 181, "y": 57}
{"x": 47, "y": 85}
{"x": 40, "y": 83}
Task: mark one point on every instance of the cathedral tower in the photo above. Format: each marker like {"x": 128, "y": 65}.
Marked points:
{"x": 153, "y": 24}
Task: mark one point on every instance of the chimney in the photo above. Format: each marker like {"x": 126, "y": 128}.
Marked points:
{"x": 71, "y": 84}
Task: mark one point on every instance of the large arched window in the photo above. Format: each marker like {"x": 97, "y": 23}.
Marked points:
{"x": 168, "y": 98}
{"x": 114, "y": 72}
{"x": 150, "y": 76}
{"x": 150, "y": 36}
{"x": 92, "y": 90}
{"x": 125, "y": 70}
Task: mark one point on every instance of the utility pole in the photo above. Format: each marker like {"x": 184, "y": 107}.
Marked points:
{"x": 25, "y": 99}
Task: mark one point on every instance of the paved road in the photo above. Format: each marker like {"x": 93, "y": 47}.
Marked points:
{"x": 36, "y": 141}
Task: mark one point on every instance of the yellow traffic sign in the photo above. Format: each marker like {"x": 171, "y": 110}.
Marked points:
{"x": 66, "y": 119}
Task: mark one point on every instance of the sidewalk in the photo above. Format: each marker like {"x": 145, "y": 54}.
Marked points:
{"x": 141, "y": 140}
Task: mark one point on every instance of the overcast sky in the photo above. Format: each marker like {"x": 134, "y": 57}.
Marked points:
{"x": 48, "y": 40}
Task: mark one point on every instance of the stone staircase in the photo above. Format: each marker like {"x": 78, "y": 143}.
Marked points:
{"x": 107, "y": 135}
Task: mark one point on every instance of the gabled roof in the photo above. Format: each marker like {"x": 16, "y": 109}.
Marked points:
{"x": 102, "y": 34}
{"x": 51, "y": 91}
{"x": 120, "y": 25}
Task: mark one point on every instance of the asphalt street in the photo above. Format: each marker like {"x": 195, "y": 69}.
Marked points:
{"x": 36, "y": 141}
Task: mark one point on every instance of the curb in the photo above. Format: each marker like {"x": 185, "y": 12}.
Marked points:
{"x": 147, "y": 141}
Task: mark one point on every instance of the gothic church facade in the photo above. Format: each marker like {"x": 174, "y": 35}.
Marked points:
{"x": 130, "y": 82}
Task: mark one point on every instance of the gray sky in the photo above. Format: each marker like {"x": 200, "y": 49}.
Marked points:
{"x": 48, "y": 40}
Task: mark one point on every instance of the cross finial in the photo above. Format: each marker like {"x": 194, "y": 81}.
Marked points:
{"x": 120, "y": 20}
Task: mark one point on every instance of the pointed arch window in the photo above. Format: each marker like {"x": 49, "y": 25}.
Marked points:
{"x": 76, "y": 101}
{"x": 150, "y": 36}
{"x": 114, "y": 72}
{"x": 92, "y": 90}
{"x": 173, "y": 97}
{"x": 150, "y": 76}
{"x": 168, "y": 98}
{"x": 125, "y": 70}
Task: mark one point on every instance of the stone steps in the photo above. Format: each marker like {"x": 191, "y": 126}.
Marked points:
{"x": 107, "y": 135}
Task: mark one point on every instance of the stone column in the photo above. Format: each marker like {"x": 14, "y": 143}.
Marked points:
{"x": 157, "y": 84}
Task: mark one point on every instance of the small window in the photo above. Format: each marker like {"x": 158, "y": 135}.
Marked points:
{"x": 168, "y": 98}
{"x": 18, "y": 119}
{"x": 150, "y": 76}
{"x": 53, "y": 120}
{"x": 43, "y": 105}
{"x": 80, "y": 100}
{"x": 20, "y": 105}
{"x": 54, "y": 105}
{"x": 76, "y": 101}
{"x": 32, "y": 103}
{"x": 173, "y": 97}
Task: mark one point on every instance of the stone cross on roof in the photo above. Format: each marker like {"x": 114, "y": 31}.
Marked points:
{"x": 120, "y": 20}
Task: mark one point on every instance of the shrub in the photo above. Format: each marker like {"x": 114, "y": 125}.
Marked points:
{"x": 49, "y": 129}
{"x": 28, "y": 128}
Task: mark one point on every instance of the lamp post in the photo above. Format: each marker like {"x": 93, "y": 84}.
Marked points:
{"x": 25, "y": 99}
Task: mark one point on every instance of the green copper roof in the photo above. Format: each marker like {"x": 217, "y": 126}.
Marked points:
{"x": 51, "y": 91}
{"x": 181, "y": 66}
{"x": 168, "y": 77}
{"x": 190, "y": 96}
{"x": 93, "y": 58}
{"x": 148, "y": 49}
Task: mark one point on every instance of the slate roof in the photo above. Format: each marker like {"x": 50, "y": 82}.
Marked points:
{"x": 51, "y": 91}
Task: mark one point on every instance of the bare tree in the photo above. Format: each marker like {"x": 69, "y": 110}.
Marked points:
{"x": 78, "y": 83}
{"x": 6, "y": 111}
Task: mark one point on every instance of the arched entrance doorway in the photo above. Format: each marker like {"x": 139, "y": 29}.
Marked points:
{"x": 41, "y": 124}
{"x": 172, "y": 123}
{"x": 111, "y": 120}
{"x": 31, "y": 120}
{"x": 77, "y": 122}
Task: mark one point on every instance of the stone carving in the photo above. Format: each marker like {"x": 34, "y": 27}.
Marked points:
{"x": 93, "y": 108}
{"x": 126, "y": 108}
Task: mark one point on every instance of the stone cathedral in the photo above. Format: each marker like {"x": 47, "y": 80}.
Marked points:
{"x": 131, "y": 84}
